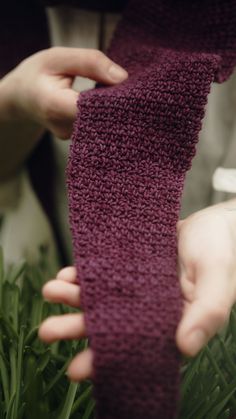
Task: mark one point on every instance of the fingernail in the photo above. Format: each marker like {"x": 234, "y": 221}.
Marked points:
{"x": 196, "y": 340}
{"x": 117, "y": 73}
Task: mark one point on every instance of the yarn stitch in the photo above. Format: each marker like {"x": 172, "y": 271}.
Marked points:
{"x": 132, "y": 145}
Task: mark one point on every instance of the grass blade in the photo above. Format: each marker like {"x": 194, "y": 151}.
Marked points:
{"x": 67, "y": 406}
{"x": 89, "y": 410}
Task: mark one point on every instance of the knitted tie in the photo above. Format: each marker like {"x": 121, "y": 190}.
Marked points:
{"x": 132, "y": 145}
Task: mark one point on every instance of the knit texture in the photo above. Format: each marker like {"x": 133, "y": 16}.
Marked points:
{"x": 132, "y": 145}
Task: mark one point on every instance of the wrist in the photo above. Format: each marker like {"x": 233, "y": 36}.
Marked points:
{"x": 10, "y": 109}
{"x": 11, "y": 100}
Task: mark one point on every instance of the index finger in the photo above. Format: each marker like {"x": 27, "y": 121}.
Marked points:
{"x": 84, "y": 62}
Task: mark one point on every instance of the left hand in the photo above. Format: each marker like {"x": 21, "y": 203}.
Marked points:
{"x": 207, "y": 272}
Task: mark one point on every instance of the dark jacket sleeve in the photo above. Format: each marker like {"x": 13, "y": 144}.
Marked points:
{"x": 23, "y": 31}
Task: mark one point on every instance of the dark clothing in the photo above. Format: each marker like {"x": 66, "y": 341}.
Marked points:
{"x": 24, "y": 28}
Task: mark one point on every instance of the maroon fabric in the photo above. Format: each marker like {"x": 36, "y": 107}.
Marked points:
{"x": 132, "y": 145}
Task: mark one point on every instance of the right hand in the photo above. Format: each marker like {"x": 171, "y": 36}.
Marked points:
{"x": 207, "y": 268}
{"x": 66, "y": 290}
{"x": 40, "y": 90}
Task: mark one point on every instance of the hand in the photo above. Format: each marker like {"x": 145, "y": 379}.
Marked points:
{"x": 65, "y": 290}
{"x": 40, "y": 90}
{"x": 207, "y": 270}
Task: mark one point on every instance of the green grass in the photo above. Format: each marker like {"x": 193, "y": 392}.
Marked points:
{"x": 33, "y": 384}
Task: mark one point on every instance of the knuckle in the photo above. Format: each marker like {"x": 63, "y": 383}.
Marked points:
{"x": 49, "y": 109}
{"x": 51, "y": 56}
{"x": 97, "y": 57}
{"x": 97, "y": 54}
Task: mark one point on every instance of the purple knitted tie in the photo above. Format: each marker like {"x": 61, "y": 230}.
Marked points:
{"x": 132, "y": 145}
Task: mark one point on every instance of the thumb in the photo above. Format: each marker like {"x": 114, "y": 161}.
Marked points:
{"x": 208, "y": 312}
{"x": 89, "y": 63}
